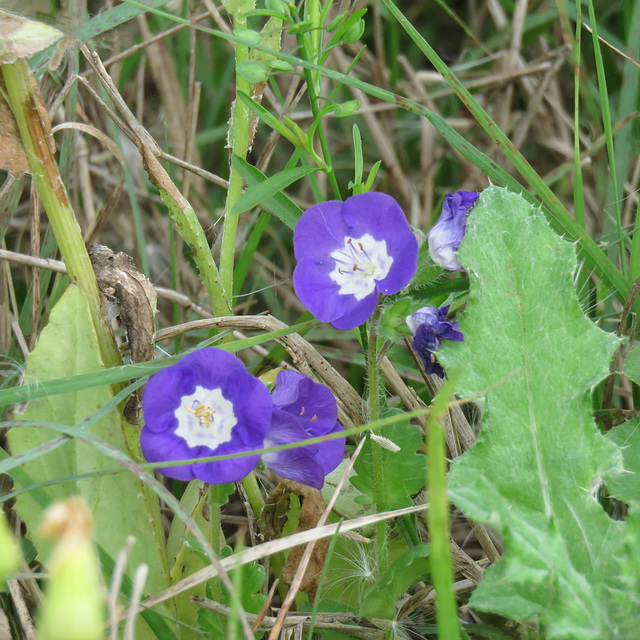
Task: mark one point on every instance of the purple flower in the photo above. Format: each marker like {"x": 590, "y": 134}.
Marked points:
{"x": 303, "y": 409}
{"x": 429, "y": 326}
{"x": 445, "y": 237}
{"x": 348, "y": 253}
{"x": 207, "y": 404}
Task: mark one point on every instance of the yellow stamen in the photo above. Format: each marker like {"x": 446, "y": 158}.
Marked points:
{"x": 202, "y": 412}
{"x": 302, "y": 411}
{"x": 314, "y": 418}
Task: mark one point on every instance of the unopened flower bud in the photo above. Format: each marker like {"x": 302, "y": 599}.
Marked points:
{"x": 73, "y": 608}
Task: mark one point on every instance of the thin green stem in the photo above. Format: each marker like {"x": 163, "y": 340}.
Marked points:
{"x": 438, "y": 523}
{"x": 606, "y": 122}
{"x": 578, "y": 195}
{"x": 239, "y": 127}
{"x": 310, "y": 49}
{"x": 44, "y": 171}
{"x": 254, "y": 494}
{"x": 376, "y": 450}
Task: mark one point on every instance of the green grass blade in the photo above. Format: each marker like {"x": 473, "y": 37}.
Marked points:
{"x": 606, "y": 121}
{"x": 589, "y": 248}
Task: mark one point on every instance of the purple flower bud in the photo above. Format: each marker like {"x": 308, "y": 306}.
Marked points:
{"x": 207, "y": 404}
{"x": 348, "y": 253}
{"x": 303, "y": 409}
{"x": 445, "y": 237}
{"x": 429, "y": 326}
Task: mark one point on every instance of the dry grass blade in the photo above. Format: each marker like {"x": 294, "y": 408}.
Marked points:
{"x": 341, "y": 622}
{"x": 269, "y": 548}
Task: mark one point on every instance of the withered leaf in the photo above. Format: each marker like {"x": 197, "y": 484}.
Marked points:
{"x": 21, "y": 38}
{"x": 273, "y": 519}
{"x": 129, "y": 296}
{"x": 12, "y": 156}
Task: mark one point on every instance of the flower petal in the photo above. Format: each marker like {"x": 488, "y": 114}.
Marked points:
{"x": 208, "y": 398}
{"x": 161, "y": 447}
{"x": 446, "y": 236}
{"x": 297, "y": 465}
{"x": 224, "y": 471}
{"x": 357, "y": 314}
{"x": 311, "y": 403}
{"x": 331, "y": 452}
{"x": 317, "y": 291}
{"x": 319, "y": 231}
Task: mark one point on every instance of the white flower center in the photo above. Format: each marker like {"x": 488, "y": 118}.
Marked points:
{"x": 205, "y": 418}
{"x": 359, "y": 264}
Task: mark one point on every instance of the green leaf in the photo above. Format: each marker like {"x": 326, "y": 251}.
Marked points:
{"x": 393, "y": 324}
{"x": 632, "y": 364}
{"x": 531, "y": 472}
{"x": 251, "y": 71}
{"x": 278, "y": 205}
{"x": 68, "y": 346}
{"x": 404, "y": 571}
{"x": 626, "y": 486}
{"x": 399, "y": 487}
{"x": 346, "y": 109}
{"x": 263, "y": 191}
{"x": 22, "y": 38}
{"x": 248, "y": 580}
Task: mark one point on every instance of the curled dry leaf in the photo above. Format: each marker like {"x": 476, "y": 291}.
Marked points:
{"x": 273, "y": 519}
{"x": 12, "y": 156}
{"x": 130, "y": 296}
{"x": 21, "y": 38}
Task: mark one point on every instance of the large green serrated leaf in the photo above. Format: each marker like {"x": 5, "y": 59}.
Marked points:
{"x": 632, "y": 364}
{"x": 627, "y": 485}
{"x": 68, "y": 346}
{"x": 539, "y": 452}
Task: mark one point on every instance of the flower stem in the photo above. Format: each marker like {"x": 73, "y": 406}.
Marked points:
{"x": 376, "y": 450}
{"x": 254, "y": 494}
{"x": 239, "y": 127}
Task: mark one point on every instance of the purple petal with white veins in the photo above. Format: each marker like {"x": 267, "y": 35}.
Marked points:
{"x": 357, "y": 314}
{"x": 317, "y": 291}
{"x": 319, "y": 231}
{"x": 405, "y": 263}
{"x": 379, "y": 215}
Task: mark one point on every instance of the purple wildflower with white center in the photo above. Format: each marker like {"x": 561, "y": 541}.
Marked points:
{"x": 207, "y": 404}
{"x": 303, "y": 409}
{"x": 446, "y": 235}
{"x": 429, "y": 326}
{"x": 348, "y": 253}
